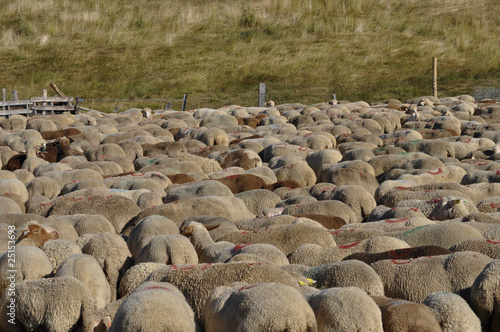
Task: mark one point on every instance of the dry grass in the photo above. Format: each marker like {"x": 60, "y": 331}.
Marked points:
{"x": 218, "y": 51}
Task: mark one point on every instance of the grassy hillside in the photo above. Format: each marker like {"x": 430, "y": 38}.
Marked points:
{"x": 218, "y": 51}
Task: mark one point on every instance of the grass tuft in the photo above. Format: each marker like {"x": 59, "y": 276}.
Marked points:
{"x": 219, "y": 50}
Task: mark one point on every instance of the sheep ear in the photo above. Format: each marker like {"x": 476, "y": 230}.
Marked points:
{"x": 210, "y": 227}
{"x": 35, "y": 229}
{"x": 188, "y": 231}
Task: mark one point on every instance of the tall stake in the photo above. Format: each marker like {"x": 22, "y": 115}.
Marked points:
{"x": 434, "y": 76}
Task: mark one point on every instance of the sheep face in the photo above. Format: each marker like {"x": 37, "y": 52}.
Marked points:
{"x": 449, "y": 208}
{"x": 188, "y": 231}
{"x": 38, "y": 233}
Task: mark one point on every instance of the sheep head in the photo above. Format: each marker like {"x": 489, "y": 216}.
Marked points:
{"x": 38, "y": 233}
{"x": 189, "y": 229}
{"x": 449, "y": 208}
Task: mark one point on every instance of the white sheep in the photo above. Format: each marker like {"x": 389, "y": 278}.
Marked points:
{"x": 54, "y": 304}
{"x": 29, "y": 263}
{"x": 111, "y": 252}
{"x": 154, "y": 306}
{"x": 169, "y": 249}
{"x": 484, "y": 295}
{"x": 345, "y": 309}
{"x": 257, "y": 307}
{"x": 352, "y": 273}
{"x": 453, "y": 312}
{"x": 411, "y": 279}
{"x": 210, "y": 251}
{"x": 87, "y": 269}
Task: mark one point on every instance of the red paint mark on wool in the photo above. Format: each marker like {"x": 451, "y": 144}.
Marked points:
{"x": 75, "y": 181}
{"x": 247, "y": 287}
{"x": 439, "y": 171}
{"x": 155, "y": 287}
{"x": 493, "y": 242}
{"x": 76, "y": 199}
{"x": 177, "y": 201}
{"x": 467, "y": 140}
{"x": 392, "y": 221}
{"x": 303, "y": 149}
{"x": 90, "y": 198}
{"x": 232, "y": 176}
{"x": 241, "y": 246}
{"x": 414, "y": 209}
{"x": 435, "y": 200}
{"x": 138, "y": 174}
{"x": 401, "y": 262}
{"x": 347, "y": 246}
{"x": 494, "y": 206}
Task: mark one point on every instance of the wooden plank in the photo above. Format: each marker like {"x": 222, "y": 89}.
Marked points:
{"x": 15, "y": 103}
{"x": 14, "y": 112}
{"x": 57, "y": 90}
{"x": 53, "y": 108}
{"x": 51, "y": 99}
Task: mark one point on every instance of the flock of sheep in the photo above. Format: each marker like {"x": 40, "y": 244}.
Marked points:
{"x": 337, "y": 216}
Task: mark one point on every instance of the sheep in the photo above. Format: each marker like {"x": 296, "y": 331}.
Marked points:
{"x": 146, "y": 229}
{"x": 287, "y": 238}
{"x": 346, "y": 274}
{"x": 8, "y": 206}
{"x": 116, "y": 209}
{"x": 197, "y": 281}
{"x": 486, "y": 247}
{"x": 452, "y": 312}
{"x": 329, "y": 208}
{"x": 484, "y": 295}
{"x": 243, "y": 182}
{"x": 169, "y": 249}
{"x": 222, "y": 206}
{"x": 30, "y": 263}
{"x": 383, "y": 163}
{"x": 410, "y": 279}
{"x": 213, "y": 136}
{"x": 444, "y": 235}
{"x": 88, "y": 270}
{"x": 197, "y": 189}
{"x": 111, "y": 252}
{"x": 257, "y": 307}
{"x": 144, "y": 310}
{"x": 58, "y": 250}
{"x": 35, "y": 234}
{"x": 400, "y": 315}
{"x": 441, "y": 208}
{"x": 404, "y": 253}
{"x": 258, "y": 199}
{"x": 345, "y": 309}
{"x": 55, "y": 134}
{"x": 244, "y": 158}
{"x": 135, "y": 276}
{"x": 44, "y": 186}
{"x": 14, "y": 186}
{"x": 210, "y": 251}
{"x": 299, "y": 172}
{"x": 329, "y": 222}
{"x": 40, "y": 306}
{"x": 314, "y": 255}
{"x": 347, "y": 176}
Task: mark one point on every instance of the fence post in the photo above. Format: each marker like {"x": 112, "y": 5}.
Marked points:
{"x": 14, "y": 95}
{"x": 184, "y": 102}
{"x": 262, "y": 94}
{"x": 434, "y": 77}
{"x": 44, "y": 94}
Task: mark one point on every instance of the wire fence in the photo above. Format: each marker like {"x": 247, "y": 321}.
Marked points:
{"x": 151, "y": 102}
